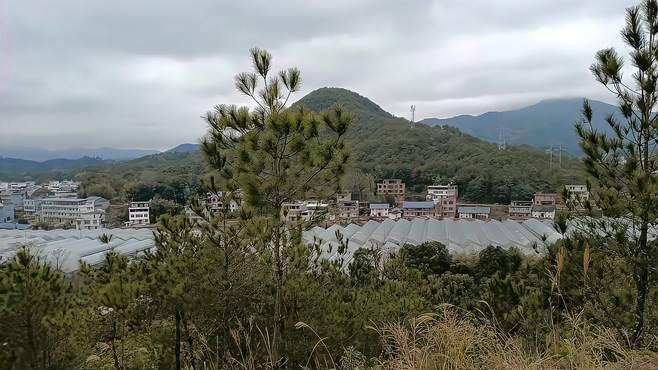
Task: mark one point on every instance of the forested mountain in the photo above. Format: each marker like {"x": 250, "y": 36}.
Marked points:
{"x": 386, "y": 146}
{"x": 12, "y": 169}
{"x": 549, "y": 122}
{"x": 184, "y": 148}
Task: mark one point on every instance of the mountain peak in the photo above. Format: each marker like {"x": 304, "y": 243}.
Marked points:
{"x": 184, "y": 148}
{"x": 325, "y": 97}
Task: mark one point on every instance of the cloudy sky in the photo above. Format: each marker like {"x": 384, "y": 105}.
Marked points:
{"x": 140, "y": 73}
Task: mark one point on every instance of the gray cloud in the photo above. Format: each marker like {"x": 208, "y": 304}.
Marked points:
{"x": 140, "y": 73}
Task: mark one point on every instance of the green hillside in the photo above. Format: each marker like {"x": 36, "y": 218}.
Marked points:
{"x": 386, "y": 146}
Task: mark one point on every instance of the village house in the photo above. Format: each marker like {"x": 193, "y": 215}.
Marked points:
{"x": 577, "y": 194}
{"x": 419, "y": 209}
{"x": 303, "y": 211}
{"x": 445, "y": 198}
{"x": 474, "y": 212}
{"x": 139, "y": 213}
{"x": 215, "y": 201}
{"x": 543, "y": 212}
{"x": 347, "y": 208}
{"x": 544, "y": 199}
{"x": 392, "y": 187}
{"x": 379, "y": 210}
{"x": 520, "y": 209}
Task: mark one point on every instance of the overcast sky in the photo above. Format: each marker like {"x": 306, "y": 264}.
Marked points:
{"x": 140, "y": 73}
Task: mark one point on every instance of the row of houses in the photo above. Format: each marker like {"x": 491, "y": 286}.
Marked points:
{"x": 427, "y": 209}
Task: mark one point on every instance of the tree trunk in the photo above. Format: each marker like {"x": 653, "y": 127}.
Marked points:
{"x": 278, "y": 315}
{"x": 115, "y": 357}
{"x": 177, "y": 347}
{"x": 190, "y": 342}
{"x": 642, "y": 285}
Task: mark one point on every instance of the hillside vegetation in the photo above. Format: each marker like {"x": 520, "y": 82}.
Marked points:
{"x": 386, "y": 146}
{"x": 549, "y": 122}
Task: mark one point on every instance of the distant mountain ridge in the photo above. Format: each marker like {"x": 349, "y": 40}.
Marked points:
{"x": 549, "y": 122}
{"x": 41, "y": 155}
{"x": 184, "y": 148}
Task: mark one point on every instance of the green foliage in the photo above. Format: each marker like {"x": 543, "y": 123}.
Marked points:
{"x": 623, "y": 165}
{"x": 34, "y": 299}
{"x": 430, "y": 257}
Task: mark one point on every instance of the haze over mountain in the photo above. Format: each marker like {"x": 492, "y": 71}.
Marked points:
{"x": 549, "y": 122}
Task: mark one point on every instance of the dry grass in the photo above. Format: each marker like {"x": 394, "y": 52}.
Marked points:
{"x": 447, "y": 341}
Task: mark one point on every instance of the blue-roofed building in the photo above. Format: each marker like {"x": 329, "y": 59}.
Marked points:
{"x": 379, "y": 209}
{"x": 419, "y": 209}
{"x": 474, "y": 212}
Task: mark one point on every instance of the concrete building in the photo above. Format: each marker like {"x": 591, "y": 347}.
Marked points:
{"x": 379, "y": 210}
{"x": 520, "y": 209}
{"x": 474, "y": 212}
{"x": 90, "y": 219}
{"x": 578, "y": 193}
{"x": 544, "y": 199}
{"x": 437, "y": 192}
{"x": 7, "y": 213}
{"x": 419, "y": 209}
{"x": 348, "y": 209}
{"x": 445, "y": 198}
{"x": 392, "y": 187}
{"x": 546, "y": 212}
{"x": 31, "y": 206}
{"x": 139, "y": 213}
{"x": 14, "y": 198}
{"x": 66, "y": 211}
{"x": 59, "y": 187}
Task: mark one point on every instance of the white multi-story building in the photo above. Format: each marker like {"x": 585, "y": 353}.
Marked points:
{"x": 67, "y": 211}
{"x": 139, "y": 213}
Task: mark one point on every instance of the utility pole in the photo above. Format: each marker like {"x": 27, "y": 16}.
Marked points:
{"x": 550, "y": 161}
{"x": 560, "y": 155}
{"x": 413, "y": 116}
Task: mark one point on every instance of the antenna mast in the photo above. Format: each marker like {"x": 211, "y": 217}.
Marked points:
{"x": 413, "y": 116}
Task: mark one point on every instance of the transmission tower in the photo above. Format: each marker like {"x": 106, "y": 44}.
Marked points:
{"x": 413, "y": 116}
{"x": 502, "y": 140}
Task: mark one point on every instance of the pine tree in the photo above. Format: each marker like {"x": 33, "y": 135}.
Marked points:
{"x": 275, "y": 155}
{"x": 33, "y": 297}
{"x": 623, "y": 164}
